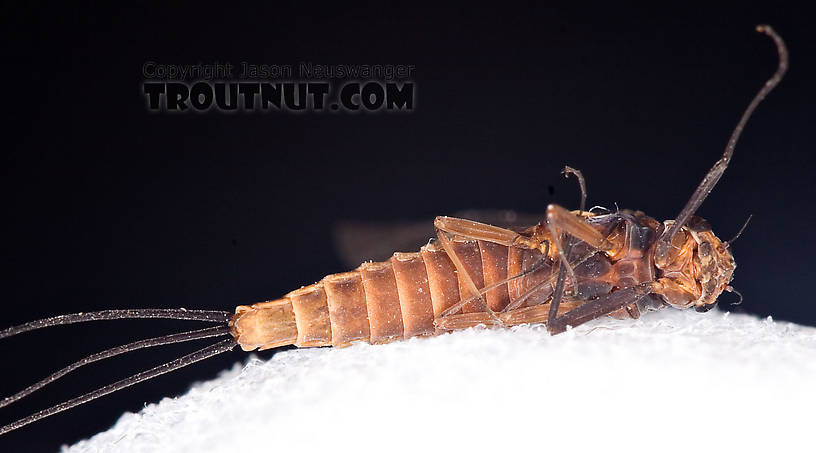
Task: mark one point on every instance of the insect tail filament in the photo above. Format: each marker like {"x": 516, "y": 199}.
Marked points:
{"x": 112, "y": 352}
{"x": 209, "y": 351}
{"x": 106, "y": 315}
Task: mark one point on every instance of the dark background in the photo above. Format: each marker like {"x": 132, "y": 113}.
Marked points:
{"x": 109, "y": 206}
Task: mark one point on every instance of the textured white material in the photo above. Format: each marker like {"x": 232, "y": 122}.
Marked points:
{"x": 671, "y": 381}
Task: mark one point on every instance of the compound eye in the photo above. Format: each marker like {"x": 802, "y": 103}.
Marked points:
{"x": 698, "y": 224}
{"x": 705, "y": 249}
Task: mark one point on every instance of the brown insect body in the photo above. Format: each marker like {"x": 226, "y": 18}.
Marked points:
{"x": 570, "y": 268}
{"x": 409, "y": 294}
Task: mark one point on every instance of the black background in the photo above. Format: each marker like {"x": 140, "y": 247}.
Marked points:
{"x": 110, "y": 206}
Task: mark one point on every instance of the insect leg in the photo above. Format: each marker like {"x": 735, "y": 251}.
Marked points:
{"x": 482, "y": 232}
{"x": 559, "y": 219}
{"x": 465, "y": 320}
{"x": 598, "y": 307}
{"x": 536, "y": 313}
{"x": 530, "y": 291}
{"x": 471, "y": 230}
{"x": 581, "y": 183}
{"x": 574, "y": 225}
{"x": 460, "y": 268}
{"x": 525, "y": 315}
{"x": 558, "y": 216}
{"x": 536, "y": 265}
{"x": 556, "y": 298}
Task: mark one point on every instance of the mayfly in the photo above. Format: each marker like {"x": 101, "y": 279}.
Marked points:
{"x": 570, "y": 268}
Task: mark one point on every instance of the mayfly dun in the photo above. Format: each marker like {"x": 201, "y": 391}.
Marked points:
{"x": 570, "y": 268}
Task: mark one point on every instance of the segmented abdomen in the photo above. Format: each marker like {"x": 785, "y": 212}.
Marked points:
{"x": 381, "y": 302}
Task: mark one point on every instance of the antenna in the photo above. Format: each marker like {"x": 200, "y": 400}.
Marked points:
{"x": 713, "y": 176}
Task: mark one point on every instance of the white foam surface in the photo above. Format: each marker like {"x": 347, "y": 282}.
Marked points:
{"x": 671, "y": 381}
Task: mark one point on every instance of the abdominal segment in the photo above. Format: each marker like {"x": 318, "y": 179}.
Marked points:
{"x": 402, "y": 297}
{"x": 423, "y": 293}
